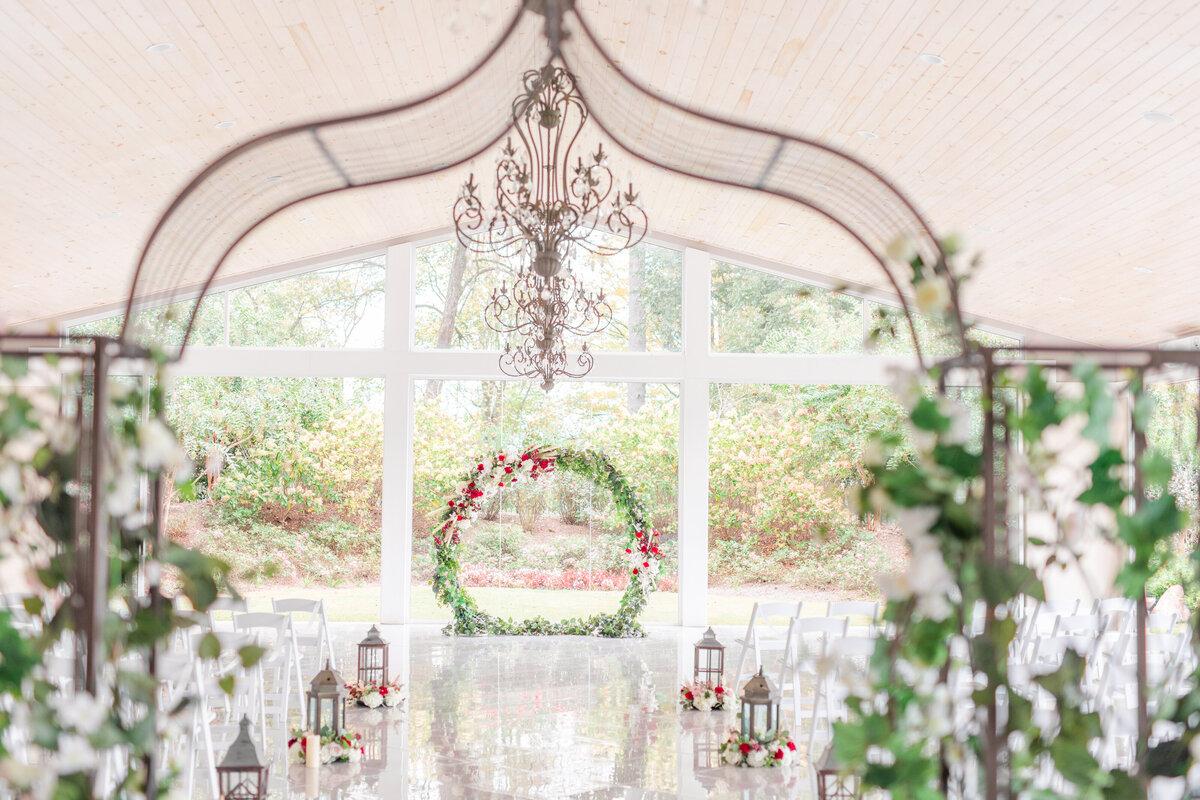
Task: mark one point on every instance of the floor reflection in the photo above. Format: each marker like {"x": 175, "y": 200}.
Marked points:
{"x": 534, "y": 717}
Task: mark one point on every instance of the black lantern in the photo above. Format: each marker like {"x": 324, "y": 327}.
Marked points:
{"x": 373, "y": 659}
{"x": 327, "y": 702}
{"x": 243, "y": 773}
{"x": 831, "y": 781}
{"x": 760, "y": 708}
{"x": 710, "y": 660}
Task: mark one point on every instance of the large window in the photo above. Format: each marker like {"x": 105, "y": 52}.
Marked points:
{"x": 287, "y": 483}
{"x": 554, "y": 548}
{"x": 642, "y": 285}
{"x": 756, "y": 312}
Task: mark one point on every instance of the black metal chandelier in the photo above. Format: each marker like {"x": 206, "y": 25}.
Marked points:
{"x": 545, "y": 208}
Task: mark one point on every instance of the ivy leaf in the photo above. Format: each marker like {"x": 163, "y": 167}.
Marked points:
{"x": 210, "y": 646}
{"x": 251, "y": 654}
{"x": 226, "y": 683}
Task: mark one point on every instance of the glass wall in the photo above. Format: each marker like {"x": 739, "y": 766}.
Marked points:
{"x": 781, "y": 462}
{"x": 286, "y": 485}
{"x": 554, "y": 548}
{"x": 643, "y": 286}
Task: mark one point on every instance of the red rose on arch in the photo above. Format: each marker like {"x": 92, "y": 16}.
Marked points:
{"x": 791, "y": 745}
{"x": 635, "y": 571}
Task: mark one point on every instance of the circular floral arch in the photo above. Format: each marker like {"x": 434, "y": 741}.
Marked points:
{"x": 493, "y": 472}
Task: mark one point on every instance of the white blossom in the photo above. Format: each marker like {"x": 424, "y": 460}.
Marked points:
{"x": 756, "y": 758}
{"x": 355, "y": 755}
{"x": 326, "y": 757}
{"x": 372, "y": 700}
{"x": 932, "y": 295}
{"x": 158, "y": 447}
{"x": 75, "y": 754}
{"x": 901, "y": 250}
{"x": 392, "y": 699}
{"x": 81, "y": 711}
{"x": 336, "y": 750}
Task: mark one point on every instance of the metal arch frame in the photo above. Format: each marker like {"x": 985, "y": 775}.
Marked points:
{"x": 554, "y": 12}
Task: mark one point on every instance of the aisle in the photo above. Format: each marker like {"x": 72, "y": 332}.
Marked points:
{"x": 533, "y": 717}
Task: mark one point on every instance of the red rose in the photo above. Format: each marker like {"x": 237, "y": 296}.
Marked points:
{"x": 638, "y": 534}
{"x": 502, "y": 483}
{"x": 500, "y": 457}
{"x": 627, "y": 550}
{"x": 450, "y": 503}
{"x": 480, "y": 467}
{"x": 744, "y": 747}
{"x": 526, "y": 457}
{"x": 543, "y": 464}
{"x": 646, "y": 564}
{"x": 654, "y": 549}
{"x": 513, "y": 479}
{"x": 779, "y": 755}
{"x": 635, "y": 571}
{"x": 719, "y": 690}
{"x": 508, "y": 470}
{"x": 656, "y": 533}
{"x": 689, "y": 696}
{"x": 383, "y": 690}
{"x": 791, "y": 745}
{"x": 291, "y": 742}
{"x": 460, "y": 516}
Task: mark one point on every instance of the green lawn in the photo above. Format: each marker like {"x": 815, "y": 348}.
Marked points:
{"x": 361, "y": 604}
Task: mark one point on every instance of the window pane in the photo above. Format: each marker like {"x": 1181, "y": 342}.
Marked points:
{"x": 781, "y": 459}
{"x": 167, "y": 324}
{"x": 288, "y": 476}
{"x": 337, "y": 307}
{"x": 642, "y": 285}
{"x": 888, "y": 332}
{"x": 755, "y": 312}
{"x": 555, "y": 548}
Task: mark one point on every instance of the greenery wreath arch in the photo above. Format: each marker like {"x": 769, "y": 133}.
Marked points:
{"x": 491, "y": 473}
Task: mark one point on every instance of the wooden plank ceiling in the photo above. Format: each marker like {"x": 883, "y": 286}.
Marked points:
{"x": 1028, "y": 133}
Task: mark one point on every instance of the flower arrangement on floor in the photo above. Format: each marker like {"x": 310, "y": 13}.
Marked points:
{"x": 335, "y": 749}
{"x": 746, "y": 751}
{"x": 368, "y": 694}
{"x": 491, "y": 473}
{"x": 702, "y": 697}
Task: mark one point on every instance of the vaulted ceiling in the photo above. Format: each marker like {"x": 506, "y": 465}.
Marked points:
{"x": 1060, "y": 138}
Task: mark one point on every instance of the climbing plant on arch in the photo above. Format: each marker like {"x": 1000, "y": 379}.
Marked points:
{"x": 493, "y": 472}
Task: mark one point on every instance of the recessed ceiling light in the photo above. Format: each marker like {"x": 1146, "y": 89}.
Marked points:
{"x": 305, "y": 220}
{"x": 21, "y": 284}
{"x": 109, "y": 215}
{"x": 226, "y": 124}
{"x": 867, "y": 134}
{"x": 1143, "y": 270}
{"x": 931, "y": 58}
{"x": 274, "y": 179}
{"x": 983, "y": 229}
{"x": 161, "y": 47}
{"x": 1065, "y": 299}
{"x": 821, "y": 186}
{"x": 1158, "y": 117}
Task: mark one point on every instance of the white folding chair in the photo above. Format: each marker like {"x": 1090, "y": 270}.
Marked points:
{"x": 766, "y": 633}
{"x": 311, "y": 626}
{"x": 808, "y": 641}
{"x": 232, "y": 605}
{"x": 218, "y": 714}
{"x": 854, "y": 611}
{"x": 280, "y": 662}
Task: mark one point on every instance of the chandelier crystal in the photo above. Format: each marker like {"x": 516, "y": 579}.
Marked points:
{"x": 545, "y": 209}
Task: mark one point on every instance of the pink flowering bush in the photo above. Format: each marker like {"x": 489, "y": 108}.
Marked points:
{"x": 528, "y": 578}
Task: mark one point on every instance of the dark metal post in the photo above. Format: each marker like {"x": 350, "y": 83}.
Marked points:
{"x": 991, "y": 737}
{"x": 1143, "y": 716}
{"x": 96, "y": 598}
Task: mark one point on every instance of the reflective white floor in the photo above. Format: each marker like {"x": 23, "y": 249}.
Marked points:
{"x": 539, "y": 717}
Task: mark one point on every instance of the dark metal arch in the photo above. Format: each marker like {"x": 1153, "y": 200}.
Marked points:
{"x": 232, "y": 196}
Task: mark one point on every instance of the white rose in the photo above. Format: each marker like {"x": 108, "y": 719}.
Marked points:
{"x": 730, "y": 754}
{"x": 901, "y": 250}
{"x": 295, "y": 754}
{"x": 157, "y": 446}
{"x": 325, "y": 756}
{"x": 756, "y": 758}
{"x": 336, "y": 751}
{"x": 372, "y": 700}
{"x": 75, "y": 754}
{"x": 392, "y": 699}
{"x": 704, "y": 700}
{"x": 81, "y": 711}
{"x": 932, "y": 296}
{"x": 355, "y": 755}
{"x": 915, "y": 522}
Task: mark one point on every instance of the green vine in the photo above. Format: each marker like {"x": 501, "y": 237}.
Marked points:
{"x": 491, "y": 473}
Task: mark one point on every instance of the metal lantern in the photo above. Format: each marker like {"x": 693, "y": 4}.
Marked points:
{"x": 832, "y": 783}
{"x": 243, "y": 773}
{"x": 710, "y": 660}
{"x": 327, "y": 701}
{"x": 760, "y": 708}
{"x": 373, "y": 659}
